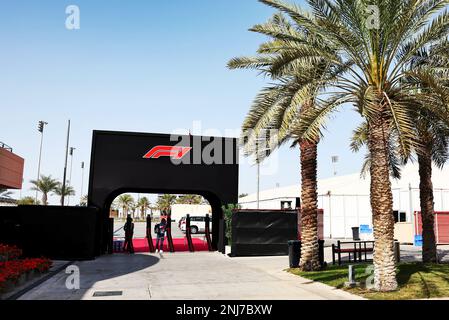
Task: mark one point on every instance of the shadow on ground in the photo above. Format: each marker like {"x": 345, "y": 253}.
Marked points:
{"x": 100, "y": 274}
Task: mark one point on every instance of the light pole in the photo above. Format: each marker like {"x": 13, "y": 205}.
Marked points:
{"x": 71, "y": 166}
{"x": 40, "y": 128}
{"x": 65, "y": 165}
{"x": 82, "y": 181}
{"x": 261, "y": 140}
{"x": 334, "y": 162}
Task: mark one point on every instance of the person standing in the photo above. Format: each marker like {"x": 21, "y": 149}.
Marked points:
{"x": 160, "y": 234}
{"x": 129, "y": 232}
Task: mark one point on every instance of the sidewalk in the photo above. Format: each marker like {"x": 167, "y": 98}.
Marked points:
{"x": 186, "y": 276}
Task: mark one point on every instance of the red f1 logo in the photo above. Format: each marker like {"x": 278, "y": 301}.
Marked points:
{"x": 174, "y": 152}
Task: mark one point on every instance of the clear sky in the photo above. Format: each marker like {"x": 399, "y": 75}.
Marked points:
{"x": 145, "y": 66}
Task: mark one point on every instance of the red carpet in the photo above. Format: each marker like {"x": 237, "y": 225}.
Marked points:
{"x": 180, "y": 244}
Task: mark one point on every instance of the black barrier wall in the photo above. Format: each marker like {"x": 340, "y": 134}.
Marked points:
{"x": 263, "y": 232}
{"x": 65, "y": 233}
{"x": 145, "y": 163}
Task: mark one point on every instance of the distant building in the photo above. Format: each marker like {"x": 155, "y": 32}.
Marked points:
{"x": 11, "y": 168}
{"x": 180, "y": 210}
{"x": 346, "y": 201}
{"x": 11, "y": 173}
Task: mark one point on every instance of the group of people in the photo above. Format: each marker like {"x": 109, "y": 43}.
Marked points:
{"x": 160, "y": 231}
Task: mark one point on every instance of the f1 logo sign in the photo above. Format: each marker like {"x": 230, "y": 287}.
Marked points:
{"x": 174, "y": 152}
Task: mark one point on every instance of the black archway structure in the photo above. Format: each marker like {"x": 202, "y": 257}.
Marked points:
{"x": 161, "y": 163}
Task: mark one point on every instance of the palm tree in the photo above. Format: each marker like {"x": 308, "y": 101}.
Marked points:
{"x": 189, "y": 199}
{"x": 4, "y": 193}
{"x": 165, "y": 201}
{"x": 374, "y": 53}
{"x": 278, "y": 107}
{"x": 64, "y": 191}
{"x": 83, "y": 201}
{"x": 429, "y": 74}
{"x": 125, "y": 201}
{"x": 46, "y": 185}
{"x": 143, "y": 204}
{"x": 28, "y": 201}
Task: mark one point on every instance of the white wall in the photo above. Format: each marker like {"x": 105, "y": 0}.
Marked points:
{"x": 346, "y": 203}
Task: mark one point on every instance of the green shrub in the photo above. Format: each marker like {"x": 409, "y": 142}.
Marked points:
{"x": 228, "y": 210}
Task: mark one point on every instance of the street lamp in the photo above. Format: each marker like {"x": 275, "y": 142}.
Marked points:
{"x": 70, "y": 174}
{"x": 82, "y": 181}
{"x": 262, "y": 150}
{"x": 65, "y": 164}
{"x": 334, "y": 162}
{"x": 40, "y": 128}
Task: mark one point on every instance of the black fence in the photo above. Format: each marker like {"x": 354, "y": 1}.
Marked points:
{"x": 65, "y": 233}
{"x": 263, "y": 232}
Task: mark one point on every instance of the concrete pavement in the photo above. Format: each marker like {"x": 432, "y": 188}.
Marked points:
{"x": 186, "y": 276}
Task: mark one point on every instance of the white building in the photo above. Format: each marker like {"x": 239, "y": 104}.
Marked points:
{"x": 180, "y": 210}
{"x": 345, "y": 201}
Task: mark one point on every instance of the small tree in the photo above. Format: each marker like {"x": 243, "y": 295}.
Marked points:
{"x": 228, "y": 211}
{"x": 46, "y": 185}
{"x": 64, "y": 191}
{"x": 28, "y": 201}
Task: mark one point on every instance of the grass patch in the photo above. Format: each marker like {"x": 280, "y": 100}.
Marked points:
{"x": 416, "y": 280}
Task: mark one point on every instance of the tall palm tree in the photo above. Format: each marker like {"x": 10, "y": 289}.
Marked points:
{"x": 46, "y": 185}
{"x": 435, "y": 149}
{"x": 144, "y": 205}
{"x": 278, "y": 107}
{"x": 125, "y": 201}
{"x": 429, "y": 74}
{"x": 375, "y": 52}
{"x": 165, "y": 201}
{"x": 65, "y": 191}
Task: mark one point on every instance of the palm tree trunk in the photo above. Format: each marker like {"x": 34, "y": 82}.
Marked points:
{"x": 429, "y": 250}
{"x": 382, "y": 208}
{"x": 309, "y": 207}
{"x": 44, "y": 199}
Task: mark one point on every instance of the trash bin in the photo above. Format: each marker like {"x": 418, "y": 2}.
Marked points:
{"x": 294, "y": 253}
{"x": 355, "y": 233}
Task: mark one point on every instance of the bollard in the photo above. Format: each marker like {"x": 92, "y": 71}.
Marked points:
{"x": 351, "y": 277}
{"x": 171, "y": 247}
{"x": 148, "y": 234}
{"x": 188, "y": 234}
{"x": 207, "y": 232}
{"x": 397, "y": 251}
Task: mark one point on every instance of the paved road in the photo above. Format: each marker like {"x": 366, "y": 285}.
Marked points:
{"x": 189, "y": 276}
{"x": 186, "y": 276}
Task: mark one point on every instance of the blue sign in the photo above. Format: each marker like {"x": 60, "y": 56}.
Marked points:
{"x": 365, "y": 228}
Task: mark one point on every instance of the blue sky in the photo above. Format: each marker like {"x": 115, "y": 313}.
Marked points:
{"x": 145, "y": 66}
